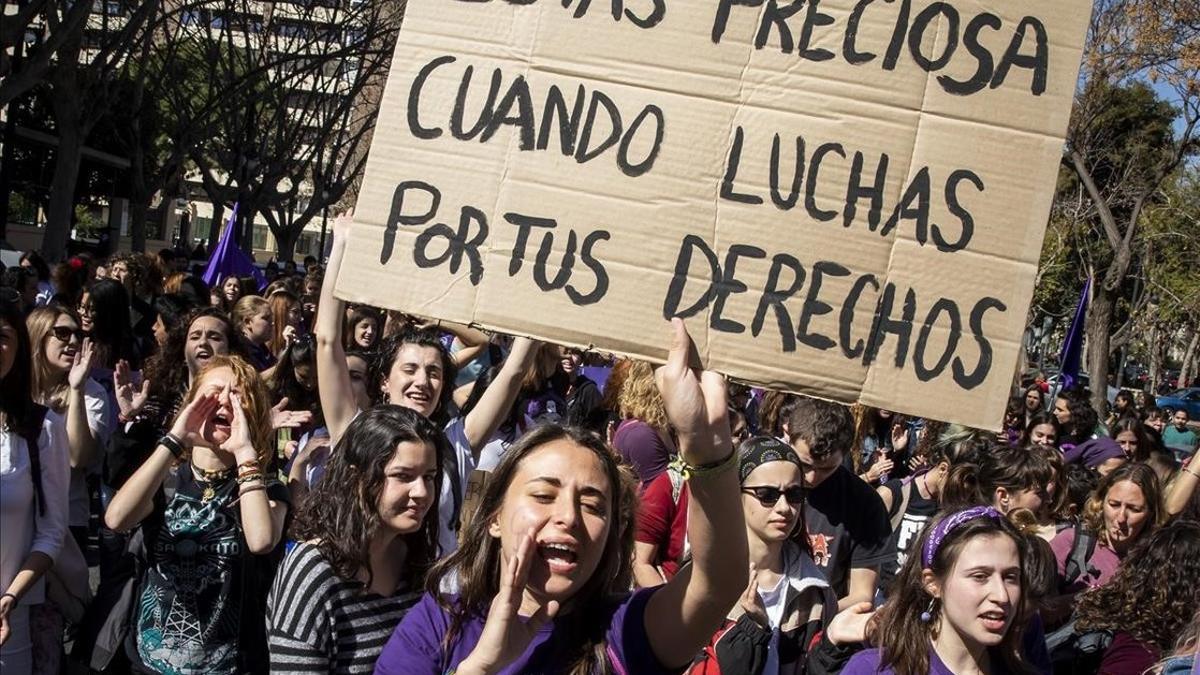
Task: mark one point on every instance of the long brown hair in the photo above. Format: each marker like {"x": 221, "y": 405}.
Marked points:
{"x": 342, "y": 511}
{"x": 903, "y": 639}
{"x": 477, "y": 559}
{"x": 280, "y": 302}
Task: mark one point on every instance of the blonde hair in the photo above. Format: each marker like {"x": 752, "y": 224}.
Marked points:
{"x": 639, "y": 397}
{"x": 245, "y": 308}
{"x": 174, "y": 283}
{"x": 49, "y": 387}
{"x": 256, "y": 402}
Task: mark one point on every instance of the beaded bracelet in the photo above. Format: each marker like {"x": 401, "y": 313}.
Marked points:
{"x": 249, "y": 477}
{"x": 690, "y": 471}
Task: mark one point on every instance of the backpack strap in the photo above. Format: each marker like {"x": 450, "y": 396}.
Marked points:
{"x": 1079, "y": 559}
{"x": 31, "y": 431}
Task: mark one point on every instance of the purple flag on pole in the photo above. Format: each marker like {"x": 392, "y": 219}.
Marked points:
{"x": 1072, "y": 349}
{"x": 228, "y": 260}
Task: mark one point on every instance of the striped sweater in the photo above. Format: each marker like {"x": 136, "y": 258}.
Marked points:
{"x": 318, "y": 622}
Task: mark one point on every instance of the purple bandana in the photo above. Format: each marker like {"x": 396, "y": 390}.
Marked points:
{"x": 950, "y": 523}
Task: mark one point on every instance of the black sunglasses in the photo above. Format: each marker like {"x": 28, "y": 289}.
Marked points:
{"x": 769, "y": 496}
{"x": 64, "y": 334}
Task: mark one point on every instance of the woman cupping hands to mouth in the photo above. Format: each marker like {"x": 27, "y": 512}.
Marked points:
{"x": 544, "y": 568}
{"x": 201, "y": 594}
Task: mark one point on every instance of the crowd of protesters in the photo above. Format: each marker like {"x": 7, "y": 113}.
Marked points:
{"x": 256, "y": 478}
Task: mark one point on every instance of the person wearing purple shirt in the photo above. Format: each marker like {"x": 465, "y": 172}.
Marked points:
{"x": 957, "y": 604}
{"x": 542, "y": 575}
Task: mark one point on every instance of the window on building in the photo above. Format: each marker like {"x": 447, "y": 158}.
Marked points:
{"x": 201, "y": 228}
{"x": 259, "y": 239}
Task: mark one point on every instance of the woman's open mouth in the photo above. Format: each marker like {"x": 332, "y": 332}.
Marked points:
{"x": 994, "y": 622}
{"x": 560, "y": 556}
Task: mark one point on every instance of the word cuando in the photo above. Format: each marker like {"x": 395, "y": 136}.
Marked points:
{"x": 578, "y": 133}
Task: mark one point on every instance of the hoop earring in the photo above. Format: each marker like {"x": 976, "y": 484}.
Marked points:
{"x": 927, "y": 615}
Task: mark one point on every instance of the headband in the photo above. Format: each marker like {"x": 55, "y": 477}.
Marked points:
{"x": 761, "y": 450}
{"x": 951, "y": 523}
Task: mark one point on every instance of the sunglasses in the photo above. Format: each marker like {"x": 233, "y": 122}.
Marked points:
{"x": 769, "y": 496}
{"x": 64, "y": 334}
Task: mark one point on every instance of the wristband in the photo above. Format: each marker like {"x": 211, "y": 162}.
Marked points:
{"x": 9, "y": 595}
{"x": 242, "y": 480}
{"x": 690, "y": 471}
{"x": 172, "y": 443}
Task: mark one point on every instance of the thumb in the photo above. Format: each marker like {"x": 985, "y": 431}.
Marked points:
{"x": 281, "y": 405}
{"x": 677, "y": 358}
{"x": 145, "y": 386}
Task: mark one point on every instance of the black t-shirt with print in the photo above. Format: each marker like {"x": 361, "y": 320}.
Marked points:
{"x": 917, "y": 513}
{"x": 847, "y": 527}
{"x": 199, "y": 599}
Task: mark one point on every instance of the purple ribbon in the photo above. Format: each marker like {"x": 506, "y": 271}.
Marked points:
{"x": 950, "y": 523}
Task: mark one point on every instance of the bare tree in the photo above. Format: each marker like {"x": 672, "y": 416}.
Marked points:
{"x": 1129, "y": 41}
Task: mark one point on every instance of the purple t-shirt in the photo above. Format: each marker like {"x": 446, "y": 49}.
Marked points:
{"x": 1104, "y": 560}
{"x": 866, "y": 662}
{"x": 643, "y": 448}
{"x": 415, "y": 647}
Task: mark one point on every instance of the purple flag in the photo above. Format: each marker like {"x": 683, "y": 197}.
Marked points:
{"x": 1072, "y": 348}
{"x": 227, "y": 260}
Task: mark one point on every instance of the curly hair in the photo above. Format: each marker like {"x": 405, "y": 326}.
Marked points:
{"x": 341, "y": 513}
{"x": 639, "y": 397}
{"x": 1084, "y": 418}
{"x": 1154, "y": 592}
{"x": 477, "y": 560}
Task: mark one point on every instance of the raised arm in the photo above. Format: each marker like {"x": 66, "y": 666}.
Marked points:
{"x": 81, "y": 440}
{"x": 472, "y": 340}
{"x": 1180, "y": 491}
{"x": 681, "y": 617}
{"x": 495, "y": 403}
{"x": 135, "y": 500}
{"x": 333, "y": 377}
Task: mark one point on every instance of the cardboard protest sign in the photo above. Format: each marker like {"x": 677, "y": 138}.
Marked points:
{"x": 844, "y": 198}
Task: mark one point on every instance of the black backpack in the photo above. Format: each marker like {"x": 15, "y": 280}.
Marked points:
{"x": 1079, "y": 560}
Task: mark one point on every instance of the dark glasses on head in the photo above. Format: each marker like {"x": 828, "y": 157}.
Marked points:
{"x": 64, "y": 334}
{"x": 769, "y": 496}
